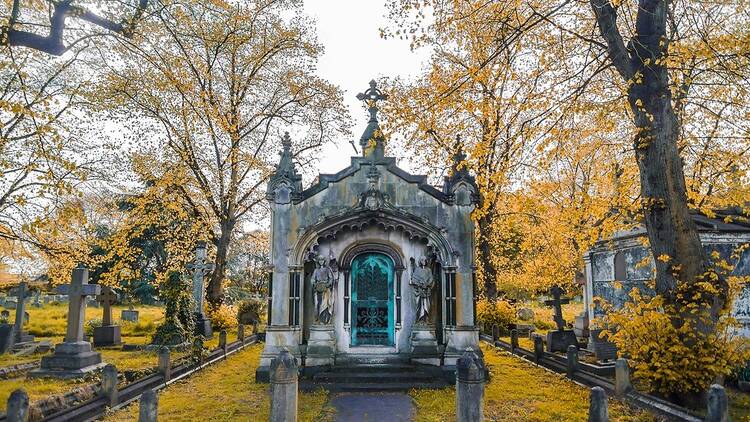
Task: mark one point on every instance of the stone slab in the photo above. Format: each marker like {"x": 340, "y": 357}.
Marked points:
{"x": 108, "y": 335}
{"x": 558, "y": 341}
{"x": 360, "y": 407}
{"x": 203, "y": 327}
{"x": 129, "y": 315}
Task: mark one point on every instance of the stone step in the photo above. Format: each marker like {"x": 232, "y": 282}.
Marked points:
{"x": 373, "y": 387}
{"x": 376, "y": 367}
{"x": 370, "y": 359}
{"x": 373, "y": 377}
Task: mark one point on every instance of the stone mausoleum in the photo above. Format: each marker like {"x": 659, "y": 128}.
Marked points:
{"x": 615, "y": 266}
{"x": 371, "y": 265}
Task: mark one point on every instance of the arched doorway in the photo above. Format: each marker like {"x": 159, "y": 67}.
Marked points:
{"x": 372, "y": 275}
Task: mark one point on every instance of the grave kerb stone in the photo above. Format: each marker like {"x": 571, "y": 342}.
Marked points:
{"x": 241, "y": 333}
{"x": 165, "y": 365}
{"x": 598, "y": 406}
{"x": 17, "y": 409}
{"x": 718, "y": 404}
{"x": 148, "y": 408}
{"x": 622, "y": 378}
{"x": 538, "y": 348}
{"x": 223, "y": 341}
{"x": 572, "y": 362}
{"x": 109, "y": 384}
{"x": 513, "y": 340}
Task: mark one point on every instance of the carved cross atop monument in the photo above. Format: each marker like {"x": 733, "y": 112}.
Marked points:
{"x": 107, "y": 298}
{"x": 77, "y": 291}
{"x": 557, "y": 303}
{"x": 200, "y": 268}
{"x": 21, "y": 293}
{"x": 371, "y": 96}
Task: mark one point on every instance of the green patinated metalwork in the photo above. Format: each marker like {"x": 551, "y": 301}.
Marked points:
{"x": 372, "y": 300}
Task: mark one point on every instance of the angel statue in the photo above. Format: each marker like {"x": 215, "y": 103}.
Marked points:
{"x": 324, "y": 280}
{"x": 422, "y": 283}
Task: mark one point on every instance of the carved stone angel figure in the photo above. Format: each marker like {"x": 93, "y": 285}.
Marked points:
{"x": 323, "y": 282}
{"x": 422, "y": 283}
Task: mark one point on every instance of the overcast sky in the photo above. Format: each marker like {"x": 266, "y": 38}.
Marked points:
{"x": 355, "y": 54}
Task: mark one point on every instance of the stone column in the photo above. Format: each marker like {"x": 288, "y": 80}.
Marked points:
{"x": 718, "y": 405}
{"x": 109, "y": 384}
{"x": 284, "y": 388}
{"x": 18, "y": 406}
{"x": 165, "y": 366}
{"x": 223, "y": 341}
{"x": 622, "y": 378}
{"x": 572, "y": 360}
{"x": 598, "y": 411}
{"x": 148, "y": 410}
{"x": 470, "y": 388}
{"x": 538, "y": 348}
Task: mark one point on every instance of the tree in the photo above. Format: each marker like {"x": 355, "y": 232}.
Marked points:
{"x": 22, "y": 27}
{"x": 217, "y": 83}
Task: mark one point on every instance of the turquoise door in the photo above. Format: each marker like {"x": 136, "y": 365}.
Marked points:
{"x": 372, "y": 300}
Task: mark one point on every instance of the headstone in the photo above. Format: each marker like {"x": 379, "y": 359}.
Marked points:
{"x": 165, "y": 366}
{"x": 37, "y": 300}
{"x": 10, "y": 304}
{"x": 108, "y": 334}
{"x": 17, "y": 409}
{"x": 525, "y": 314}
{"x": 73, "y": 358}
{"x": 283, "y": 378}
{"x": 538, "y": 348}
{"x": 622, "y": 378}
{"x": 572, "y": 360}
{"x": 581, "y": 326}
{"x": 604, "y": 350}
{"x": 109, "y": 384}
{"x": 718, "y": 404}
{"x": 598, "y": 411}
{"x": 148, "y": 409}
{"x": 129, "y": 315}
{"x": 559, "y": 340}
{"x": 200, "y": 268}
{"x": 470, "y": 378}
{"x": 6, "y": 338}
{"x": 21, "y": 293}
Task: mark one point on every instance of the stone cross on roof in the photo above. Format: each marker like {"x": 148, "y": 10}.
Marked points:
{"x": 22, "y": 293}
{"x": 200, "y": 268}
{"x": 77, "y": 291}
{"x": 372, "y": 132}
{"x": 107, "y": 298}
{"x": 557, "y": 303}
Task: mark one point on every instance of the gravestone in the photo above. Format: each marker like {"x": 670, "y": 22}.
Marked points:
{"x": 129, "y": 315}
{"x": 108, "y": 334}
{"x": 581, "y": 326}
{"x": 17, "y": 409}
{"x": 37, "y": 300}
{"x": 200, "y": 268}
{"x": 604, "y": 350}
{"x": 148, "y": 409}
{"x": 21, "y": 293}
{"x": 73, "y": 358}
{"x": 10, "y": 304}
{"x": 525, "y": 314}
{"x": 718, "y": 404}
{"x": 598, "y": 411}
{"x": 559, "y": 340}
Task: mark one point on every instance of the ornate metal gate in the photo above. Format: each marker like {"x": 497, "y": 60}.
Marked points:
{"x": 372, "y": 300}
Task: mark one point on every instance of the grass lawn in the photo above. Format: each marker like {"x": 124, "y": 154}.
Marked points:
{"x": 520, "y": 391}
{"x": 226, "y": 391}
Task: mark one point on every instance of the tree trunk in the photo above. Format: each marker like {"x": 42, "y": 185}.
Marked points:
{"x": 484, "y": 258}
{"x": 215, "y": 290}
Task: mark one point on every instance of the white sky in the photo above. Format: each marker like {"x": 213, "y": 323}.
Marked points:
{"x": 354, "y": 55}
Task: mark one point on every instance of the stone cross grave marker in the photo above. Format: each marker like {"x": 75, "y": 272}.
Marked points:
{"x": 22, "y": 293}
{"x": 77, "y": 291}
{"x": 557, "y": 303}
{"x": 107, "y": 298}
{"x": 200, "y": 268}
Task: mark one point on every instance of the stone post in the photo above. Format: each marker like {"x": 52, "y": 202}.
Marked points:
{"x": 149, "y": 407}
{"x": 241, "y": 333}
{"x": 598, "y": 411}
{"x": 470, "y": 388}
{"x": 718, "y": 405}
{"x": 622, "y": 378}
{"x": 495, "y": 334}
{"x": 283, "y": 379}
{"x": 18, "y": 406}
{"x": 513, "y": 340}
{"x": 165, "y": 366}
{"x": 223, "y": 341}
{"x": 538, "y": 349}
{"x": 109, "y": 384}
{"x": 572, "y": 360}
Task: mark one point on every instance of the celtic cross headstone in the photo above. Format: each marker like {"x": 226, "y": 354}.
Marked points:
{"x": 200, "y": 269}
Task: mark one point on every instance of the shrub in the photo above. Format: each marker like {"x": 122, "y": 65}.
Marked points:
{"x": 499, "y": 312}
{"x": 91, "y": 324}
{"x": 250, "y": 311}
{"x": 223, "y": 317}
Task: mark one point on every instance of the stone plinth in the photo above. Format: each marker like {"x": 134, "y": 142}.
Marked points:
{"x": 70, "y": 360}
{"x": 424, "y": 346}
{"x": 321, "y": 346}
{"x": 108, "y": 335}
{"x": 459, "y": 339}
{"x": 203, "y": 326}
{"x": 559, "y": 340}
{"x": 278, "y": 338}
